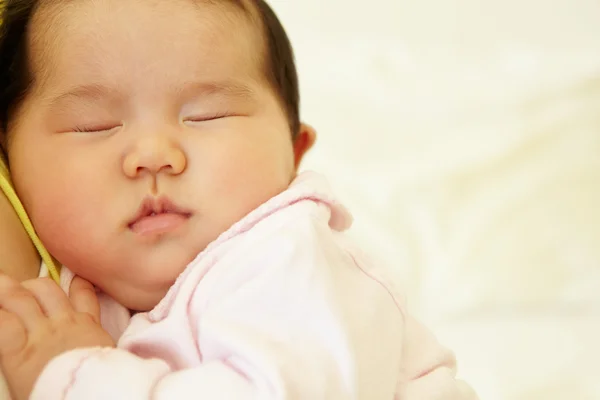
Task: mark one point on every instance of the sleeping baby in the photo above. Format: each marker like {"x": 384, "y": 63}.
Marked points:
{"x": 155, "y": 147}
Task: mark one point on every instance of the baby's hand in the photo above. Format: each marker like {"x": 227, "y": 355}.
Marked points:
{"x": 39, "y": 322}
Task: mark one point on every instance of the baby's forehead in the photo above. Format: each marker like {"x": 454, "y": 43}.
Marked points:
{"x": 49, "y": 15}
{"x": 110, "y": 33}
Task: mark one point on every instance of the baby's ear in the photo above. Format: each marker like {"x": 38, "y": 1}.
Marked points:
{"x": 304, "y": 140}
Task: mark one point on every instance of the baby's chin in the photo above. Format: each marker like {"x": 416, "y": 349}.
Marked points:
{"x": 137, "y": 299}
{"x": 139, "y": 291}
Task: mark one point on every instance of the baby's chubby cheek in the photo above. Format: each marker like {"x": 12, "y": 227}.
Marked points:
{"x": 61, "y": 189}
{"x": 69, "y": 223}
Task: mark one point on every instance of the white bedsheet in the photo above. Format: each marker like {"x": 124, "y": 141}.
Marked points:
{"x": 465, "y": 136}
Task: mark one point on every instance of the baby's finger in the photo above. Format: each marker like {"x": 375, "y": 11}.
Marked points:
{"x": 84, "y": 299}
{"x": 51, "y": 298}
{"x": 17, "y": 300}
{"x": 13, "y": 336}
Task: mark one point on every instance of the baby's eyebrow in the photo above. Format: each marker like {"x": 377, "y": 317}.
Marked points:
{"x": 216, "y": 88}
{"x": 84, "y": 92}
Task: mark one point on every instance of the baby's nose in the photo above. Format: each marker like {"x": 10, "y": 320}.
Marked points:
{"x": 153, "y": 156}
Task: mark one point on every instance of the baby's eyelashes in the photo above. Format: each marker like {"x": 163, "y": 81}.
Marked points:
{"x": 209, "y": 117}
{"x": 95, "y": 128}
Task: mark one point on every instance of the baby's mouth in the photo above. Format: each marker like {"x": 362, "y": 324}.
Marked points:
{"x": 158, "y": 217}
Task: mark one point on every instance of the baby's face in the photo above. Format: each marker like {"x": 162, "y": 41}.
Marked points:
{"x": 149, "y": 132}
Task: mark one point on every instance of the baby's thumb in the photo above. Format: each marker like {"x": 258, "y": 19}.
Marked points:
{"x": 84, "y": 299}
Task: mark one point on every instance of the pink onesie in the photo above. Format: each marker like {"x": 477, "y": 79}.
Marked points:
{"x": 281, "y": 306}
